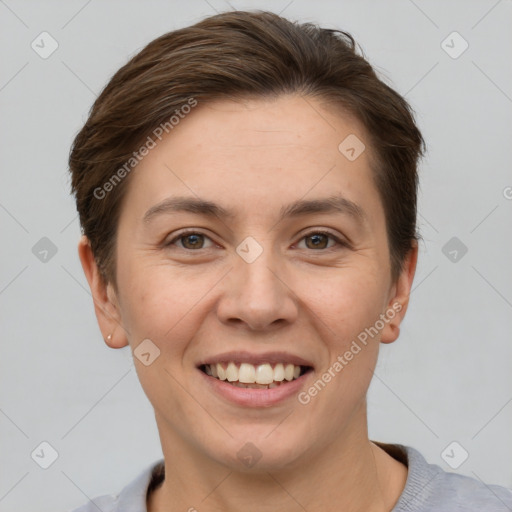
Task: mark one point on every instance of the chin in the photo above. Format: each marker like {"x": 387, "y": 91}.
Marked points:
{"x": 256, "y": 449}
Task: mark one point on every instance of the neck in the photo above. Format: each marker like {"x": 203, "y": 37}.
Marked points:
{"x": 352, "y": 473}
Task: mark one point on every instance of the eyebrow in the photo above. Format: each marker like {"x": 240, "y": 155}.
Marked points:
{"x": 332, "y": 204}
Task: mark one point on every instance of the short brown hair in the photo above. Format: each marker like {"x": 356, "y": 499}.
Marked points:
{"x": 231, "y": 55}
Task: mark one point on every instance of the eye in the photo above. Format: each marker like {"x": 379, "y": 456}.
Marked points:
{"x": 191, "y": 240}
{"x": 320, "y": 238}
{"x": 194, "y": 240}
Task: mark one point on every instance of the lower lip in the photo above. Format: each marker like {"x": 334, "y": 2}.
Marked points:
{"x": 250, "y": 397}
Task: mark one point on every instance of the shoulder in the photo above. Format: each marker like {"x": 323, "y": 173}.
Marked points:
{"x": 450, "y": 491}
{"x": 430, "y": 488}
{"x": 132, "y": 497}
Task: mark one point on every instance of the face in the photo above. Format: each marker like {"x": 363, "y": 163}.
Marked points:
{"x": 284, "y": 260}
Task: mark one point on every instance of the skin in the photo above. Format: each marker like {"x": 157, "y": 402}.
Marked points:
{"x": 255, "y": 156}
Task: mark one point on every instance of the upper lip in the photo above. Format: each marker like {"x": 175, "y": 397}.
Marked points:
{"x": 242, "y": 356}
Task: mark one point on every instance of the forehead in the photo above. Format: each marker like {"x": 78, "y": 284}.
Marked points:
{"x": 249, "y": 123}
{"x": 255, "y": 152}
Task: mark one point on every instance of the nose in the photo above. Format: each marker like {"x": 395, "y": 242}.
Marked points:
{"x": 258, "y": 295}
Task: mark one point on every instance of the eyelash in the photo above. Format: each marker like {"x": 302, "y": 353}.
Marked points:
{"x": 341, "y": 243}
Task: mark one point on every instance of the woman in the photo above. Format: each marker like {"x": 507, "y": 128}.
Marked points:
{"x": 247, "y": 193}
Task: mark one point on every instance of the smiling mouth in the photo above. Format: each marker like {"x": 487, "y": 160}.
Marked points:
{"x": 261, "y": 376}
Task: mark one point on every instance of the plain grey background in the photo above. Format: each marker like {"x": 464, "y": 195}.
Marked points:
{"x": 447, "y": 379}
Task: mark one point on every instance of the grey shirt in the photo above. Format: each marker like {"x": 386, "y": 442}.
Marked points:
{"x": 428, "y": 488}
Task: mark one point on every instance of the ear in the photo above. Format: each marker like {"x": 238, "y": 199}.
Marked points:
{"x": 106, "y": 305}
{"x": 399, "y": 297}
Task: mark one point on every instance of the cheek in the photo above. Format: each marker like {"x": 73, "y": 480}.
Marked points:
{"x": 346, "y": 309}
{"x": 347, "y": 302}
{"x": 153, "y": 302}
{"x": 164, "y": 304}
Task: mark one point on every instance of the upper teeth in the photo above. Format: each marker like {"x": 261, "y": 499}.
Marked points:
{"x": 248, "y": 373}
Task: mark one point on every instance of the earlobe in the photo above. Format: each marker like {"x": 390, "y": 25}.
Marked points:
{"x": 391, "y": 332}
{"x": 115, "y": 341}
{"x": 399, "y": 300}
{"x": 105, "y": 303}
